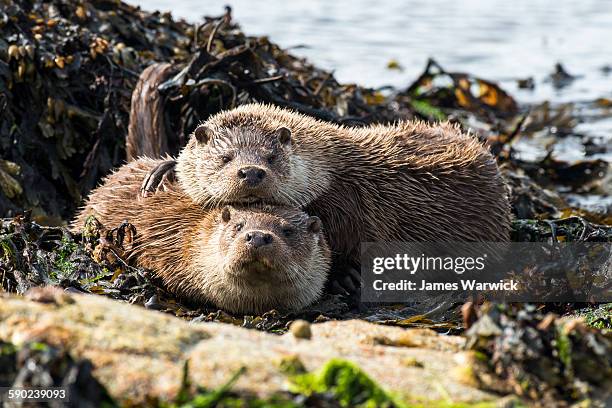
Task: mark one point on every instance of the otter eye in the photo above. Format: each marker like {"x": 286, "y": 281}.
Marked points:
{"x": 271, "y": 159}
{"x": 226, "y": 159}
{"x": 288, "y": 231}
{"x": 239, "y": 226}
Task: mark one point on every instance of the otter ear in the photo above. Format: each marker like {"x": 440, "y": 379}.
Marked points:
{"x": 203, "y": 134}
{"x": 314, "y": 224}
{"x": 284, "y": 135}
{"x": 226, "y": 214}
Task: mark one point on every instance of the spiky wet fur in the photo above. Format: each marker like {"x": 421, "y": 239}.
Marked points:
{"x": 195, "y": 253}
{"x": 410, "y": 181}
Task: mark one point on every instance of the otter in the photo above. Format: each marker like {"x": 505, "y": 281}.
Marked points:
{"x": 243, "y": 260}
{"x": 408, "y": 181}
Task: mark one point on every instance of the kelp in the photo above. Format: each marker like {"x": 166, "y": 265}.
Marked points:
{"x": 452, "y": 91}
{"x": 66, "y": 74}
{"x": 539, "y": 356}
{"x": 34, "y": 255}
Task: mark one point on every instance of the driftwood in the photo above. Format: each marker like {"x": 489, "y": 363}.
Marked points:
{"x": 147, "y": 128}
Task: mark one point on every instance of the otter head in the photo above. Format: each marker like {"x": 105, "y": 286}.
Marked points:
{"x": 237, "y": 165}
{"x": 268, "y": 258}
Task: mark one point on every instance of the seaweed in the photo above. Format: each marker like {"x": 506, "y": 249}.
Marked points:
{"x": 599, "y": 317}
{"x": 307, "y": 390}
{"x": 64, "y": 85}
{"x": 35, "y": 364}
{"x": 455, "y": 90}
{"x": 539, "y": 356}
{"x": 346, "y": 382}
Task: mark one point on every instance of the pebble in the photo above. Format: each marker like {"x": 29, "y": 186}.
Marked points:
{"x": 301, "y": 329}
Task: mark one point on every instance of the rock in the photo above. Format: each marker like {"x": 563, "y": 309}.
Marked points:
{"x": 52, "y": 295}
{"x": 138, "y": 353}
{"x": 301, "y": 329}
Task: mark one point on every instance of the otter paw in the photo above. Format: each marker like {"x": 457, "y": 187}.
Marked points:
{"x": 159, "y": 178}
{"x": 347, "y": 283}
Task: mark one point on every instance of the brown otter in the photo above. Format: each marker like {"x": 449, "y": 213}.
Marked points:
{"x": 244, "y": 260}
{"x": 404, "y": 182}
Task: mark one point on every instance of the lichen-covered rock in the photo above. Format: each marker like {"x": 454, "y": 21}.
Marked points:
{"x": 139, "y": 354}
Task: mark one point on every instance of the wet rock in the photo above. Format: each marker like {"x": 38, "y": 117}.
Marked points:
{"x": 560, "y": 78}
{"x": 526, "y": 83}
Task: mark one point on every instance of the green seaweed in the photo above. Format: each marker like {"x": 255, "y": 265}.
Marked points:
{"x": 426, "y": 109}
{"x": 352, "y": 387}
{"x": 37, "y": 346}
{"x": 564, "y": 348}
{"x": 599, "y": 317}
{"x": 347, "y": 383}
{"x": 291, "y": 365}
{"x": 210, "y": 400}
{"x": 7, "y": 349}
{"x": 62, "y": 262}
{"x": 183, "y": 394}
{"x": 6, "y": 248}
{"x": 447, "y": 404}
{"x": 205, "y": 399}
{"x": 337, "y": 382}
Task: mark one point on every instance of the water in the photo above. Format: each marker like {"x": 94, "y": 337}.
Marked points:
{"x": 495, "y": 39}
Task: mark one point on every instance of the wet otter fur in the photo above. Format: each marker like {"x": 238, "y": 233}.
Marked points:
{"x": 243, "y": 260}
{"x": 409, "y": 181}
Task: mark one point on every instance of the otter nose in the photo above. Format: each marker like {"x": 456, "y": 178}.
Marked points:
{"x": 252, "y": 175}
{"x": 258, "y": 238}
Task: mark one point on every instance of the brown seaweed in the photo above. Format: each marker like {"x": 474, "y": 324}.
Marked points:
{"x": 537, "y": 355}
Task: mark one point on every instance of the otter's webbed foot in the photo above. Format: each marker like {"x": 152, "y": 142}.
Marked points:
{"x": 346, "y": 283}
{"x": 159, "y": 178}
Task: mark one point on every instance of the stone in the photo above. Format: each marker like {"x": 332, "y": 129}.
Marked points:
{"x": 138, "y": 353}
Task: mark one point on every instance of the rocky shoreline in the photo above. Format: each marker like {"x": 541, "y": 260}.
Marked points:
{"x": 67, "y": 72}
{"x": 132, "y": 356}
